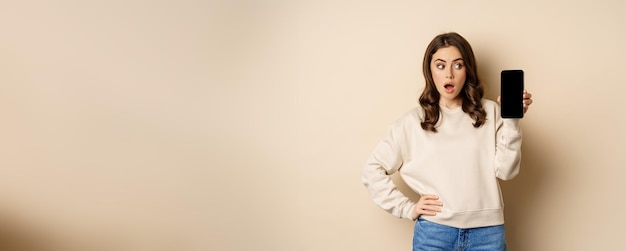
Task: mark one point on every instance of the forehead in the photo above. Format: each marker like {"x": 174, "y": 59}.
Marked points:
{"x": 447, "y": 53}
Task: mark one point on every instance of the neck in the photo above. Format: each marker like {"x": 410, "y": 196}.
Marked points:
{"x": 450, "y": 104}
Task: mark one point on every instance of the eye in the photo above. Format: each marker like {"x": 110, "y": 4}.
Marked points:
{"x": 440, "y": 66}
{"x": 458, "y": 66}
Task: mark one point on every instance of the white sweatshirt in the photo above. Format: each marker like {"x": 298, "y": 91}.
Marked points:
{"x": 459, "y": 163}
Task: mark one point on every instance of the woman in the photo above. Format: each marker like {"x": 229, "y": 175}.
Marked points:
{"x": 452, "y": 149}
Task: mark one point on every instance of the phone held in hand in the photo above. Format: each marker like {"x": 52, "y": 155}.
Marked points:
{"x": 512, "y": 93}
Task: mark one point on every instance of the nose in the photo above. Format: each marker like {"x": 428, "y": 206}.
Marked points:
{"x": 449, "y": 74}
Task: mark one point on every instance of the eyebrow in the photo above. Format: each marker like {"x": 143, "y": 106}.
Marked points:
{"x": 439, "y": 59}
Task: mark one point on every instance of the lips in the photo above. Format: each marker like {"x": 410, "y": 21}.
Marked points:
{"x": 449, "y": 87}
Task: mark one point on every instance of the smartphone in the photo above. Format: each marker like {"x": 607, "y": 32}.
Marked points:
{"x": 512, "y": 93}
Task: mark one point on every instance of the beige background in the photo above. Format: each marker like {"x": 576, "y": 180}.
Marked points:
{"x": 244, "y": 125}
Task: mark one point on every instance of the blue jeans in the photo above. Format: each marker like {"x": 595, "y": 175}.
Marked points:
{"x": 430, "y": 236}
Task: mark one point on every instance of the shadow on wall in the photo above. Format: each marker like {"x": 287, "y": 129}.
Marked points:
{"x": 17, "y": 237}
{"x": 519, "y": 193}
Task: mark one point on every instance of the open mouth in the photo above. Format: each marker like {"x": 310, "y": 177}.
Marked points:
{"x": 449, "y": 87}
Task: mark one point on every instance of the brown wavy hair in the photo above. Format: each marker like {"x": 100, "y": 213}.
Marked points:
{"x": 472, "y": 92}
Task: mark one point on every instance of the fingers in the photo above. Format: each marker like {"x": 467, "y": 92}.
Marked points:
{"x": 429, "y": 205}
{"x": 528, "y": 96}
{"x": 527, "y": 100}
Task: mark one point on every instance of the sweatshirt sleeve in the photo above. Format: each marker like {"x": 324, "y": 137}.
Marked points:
{"x": 508, "y": 148}
{"x": 385, "y": 160}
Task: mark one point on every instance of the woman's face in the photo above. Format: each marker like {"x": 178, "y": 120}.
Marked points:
{"x": 448, "y": 70}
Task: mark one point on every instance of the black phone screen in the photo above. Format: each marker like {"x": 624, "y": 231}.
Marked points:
{"x": 511, "y": 93}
